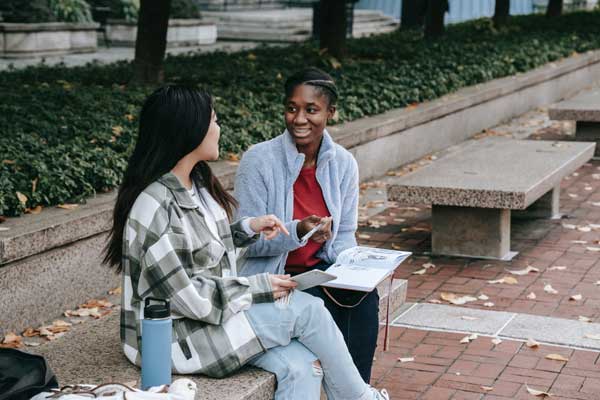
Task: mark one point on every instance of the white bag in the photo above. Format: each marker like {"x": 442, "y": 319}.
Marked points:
{"x": 180, "y": 389}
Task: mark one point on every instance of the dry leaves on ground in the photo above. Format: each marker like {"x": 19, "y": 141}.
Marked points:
{"x": 531, "y": 296}
{"x": 12, "y": 341}
{"x": 549, "y": 289}
{"x": 532, "y": 343}
{"x": 496, "y": 341}
{"x": 468, "y": 339}
{"x": 581, "y": 318}
{"x": 488, "y": 304}
{"x": 525, "y": 271}
{"x": 487, "y": 388}
{"x": 539, "y": 393}
{"x": 68, "y": 206}
{"x": 509, "y": 280}
{"x": 455, "y": 299}
{"x": 556, "y": 357}
{"x": 92, "y": 308}
{"x": 575, "y": 297}
{"x": 420, "y": 272}
{"x": 557, "y": 268}
{"x": 406, "y": 359}
{"x": 593, "y": 249}
{"x": 483, "y": 297}
{"x": 468, "y": 318}
{"x": 116, "y": 290}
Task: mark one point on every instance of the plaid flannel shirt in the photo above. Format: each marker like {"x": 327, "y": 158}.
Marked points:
{"x": 170, "y": 253}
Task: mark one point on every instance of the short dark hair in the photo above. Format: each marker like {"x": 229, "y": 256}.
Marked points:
{"x": 320, "y": 80}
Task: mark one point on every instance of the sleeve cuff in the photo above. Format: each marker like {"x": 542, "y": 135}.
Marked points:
{"x": 261, "y": 289}
{"x": 246, "y": 227}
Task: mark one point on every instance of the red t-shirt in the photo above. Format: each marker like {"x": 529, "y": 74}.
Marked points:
{"x": 308, "y": 200}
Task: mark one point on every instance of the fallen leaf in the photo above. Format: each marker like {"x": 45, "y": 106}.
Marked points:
{"x": 406, "y": 359}
{"x": 569, "y": 226}
{"x": 22, "y": 198}
{"x": 32, "y": 344}
{"x": 496, "y": 341}
{"x": 68, "y": 206}
{"x": 435, "y": 301}
{"x": 468, "y": 318}
{"x": 557, "y": 268}
{"x": 584, "y": 319}
{"x": 597, "y": 283}
{"x": 509, "y": 280}
{"x": 468, "y": 339}
{"x": 428, "y": 265}
{"x": 575, "y": 297}
{"x": 593, "y": 248}
{"x": 454, "y": 299}
{"x": 549, "y": 289}
{"x": 538, "y": 393}
{"x": 34, "y": 185}
{"x": 532, "y": 343}
{"x": 30, "y": 332}
{"x": 531, "y": 296}
{"x": 487, "y": 388}
{"x": 117, "y": 130}
{"x": 556, "y": 357}
{"x": 523, "y": 271}
{"x": 12, "y": 341}
{"x": 579, "y": 241}
{"x": 94, "y": 303}
{"x": 488, "y": 304}
{"x": 396, "y": 247}
{"x": 116, "y": 290}
{"x": 584, "y": 229}
{"x": 2, "y": 229}
{"x": 420, "y": 272}
{"x": 363, "y": 236}
{"x": 595, "y": 203}
{"x": 34, "y": 211}
{"x": 251, "y": 56}
{"x": 483, "y": 297}
{"x": 44, "y": 331}
{"x": 573, "y": 195}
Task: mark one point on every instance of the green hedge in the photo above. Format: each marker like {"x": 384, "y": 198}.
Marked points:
{"x": 68, "y": 131}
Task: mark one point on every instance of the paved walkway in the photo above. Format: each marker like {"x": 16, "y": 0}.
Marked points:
{"x": 107, "y": 55}
{"x": 566, "y": 253}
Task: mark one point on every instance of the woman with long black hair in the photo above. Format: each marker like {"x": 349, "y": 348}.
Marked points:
{"x": 172, "y": 239}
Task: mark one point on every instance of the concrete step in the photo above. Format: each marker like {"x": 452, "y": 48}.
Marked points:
{"x": 91, "y": 353}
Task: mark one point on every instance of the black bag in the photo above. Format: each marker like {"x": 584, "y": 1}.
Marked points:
{"x": 23, "y": 375}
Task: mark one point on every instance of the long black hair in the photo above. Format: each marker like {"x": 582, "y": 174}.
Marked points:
{"x": 173, "y": 122}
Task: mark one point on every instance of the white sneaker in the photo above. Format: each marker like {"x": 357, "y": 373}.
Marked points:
{"x": 381, "y": 394}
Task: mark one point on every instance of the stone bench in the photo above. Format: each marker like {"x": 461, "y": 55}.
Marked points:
{"x": 91, "y": 353}
{"x": 584, "y": 109}
{"x": 473, "y": 191}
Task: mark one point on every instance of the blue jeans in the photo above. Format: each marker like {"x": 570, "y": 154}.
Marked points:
{"x": 359, "y": 324}
{"x": 296, "y": 335}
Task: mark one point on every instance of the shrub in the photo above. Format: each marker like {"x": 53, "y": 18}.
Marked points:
{"x": 30, "y": 11}
{"x": 66, "y": 133}
{"x": 71, "y": 10}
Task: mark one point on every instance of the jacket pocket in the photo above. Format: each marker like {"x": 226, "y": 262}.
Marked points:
{"x": 208, "y": 255}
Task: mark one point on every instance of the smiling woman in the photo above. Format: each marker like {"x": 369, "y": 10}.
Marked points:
{"x": 305, "y": 178}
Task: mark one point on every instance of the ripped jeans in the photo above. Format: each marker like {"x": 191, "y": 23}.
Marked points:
{"x": 297, "y": 333}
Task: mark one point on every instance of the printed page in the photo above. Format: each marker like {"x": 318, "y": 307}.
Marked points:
{"x": 372, "y": 257}
{"x": 355, "y": 277}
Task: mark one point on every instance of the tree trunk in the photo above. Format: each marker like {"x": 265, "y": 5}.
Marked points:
{"x": 333, "y": 25}
{"x": 151, "y": 41}
{"x": 501, "y": 12}
{"x": 554, "y": 8}
{"x": 413, "y": 14}
{"x": 434, "y": 18}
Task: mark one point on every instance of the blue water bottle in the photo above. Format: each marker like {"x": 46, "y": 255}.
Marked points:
{"x": 156, "y": 343}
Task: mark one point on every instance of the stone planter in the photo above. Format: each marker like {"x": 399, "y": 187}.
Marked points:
{"x": 182, "y": 32}
{"x": 19, "y": 40}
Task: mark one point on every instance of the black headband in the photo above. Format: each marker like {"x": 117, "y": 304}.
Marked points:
{"x": 326, "y": 84}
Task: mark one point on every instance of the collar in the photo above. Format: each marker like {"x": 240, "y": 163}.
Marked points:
{"x": 295, "y": 159}
{"x": 180, "y": 192}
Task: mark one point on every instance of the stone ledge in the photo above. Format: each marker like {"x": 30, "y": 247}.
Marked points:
{"x": 584, "y": 107}
{"x": 48, "y": 27}
{"x": 91, "y": 353}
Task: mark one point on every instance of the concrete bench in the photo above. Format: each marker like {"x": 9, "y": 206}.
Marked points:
{"x": 584, "y": 109}
{"x": 91, "y": 353}
{"x": 473, "y": 191}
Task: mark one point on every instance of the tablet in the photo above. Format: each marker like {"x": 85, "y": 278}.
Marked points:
{"x": 314, "y": 277}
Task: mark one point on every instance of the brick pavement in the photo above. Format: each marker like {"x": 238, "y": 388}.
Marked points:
{"x": 446, "y": 369}
{"x": 443, "y": 368}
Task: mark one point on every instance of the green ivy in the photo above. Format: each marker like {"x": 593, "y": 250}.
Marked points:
{"x": 66, "y": 133}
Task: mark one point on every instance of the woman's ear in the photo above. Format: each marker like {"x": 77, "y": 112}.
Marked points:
{"x": 332, "y": 113}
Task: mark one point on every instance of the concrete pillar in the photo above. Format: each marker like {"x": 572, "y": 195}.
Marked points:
{"x": 589, "y": 132}
{"x": 547, "y": 206}
{"x": 471, "y": 232}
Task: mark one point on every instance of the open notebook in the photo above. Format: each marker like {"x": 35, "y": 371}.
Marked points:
{"x": 363, "y": 268}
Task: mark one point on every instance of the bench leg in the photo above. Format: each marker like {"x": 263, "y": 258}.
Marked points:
{"x": 471, "y": 232}
{"x": 589, "y": 132}
{"x": 546, "y": 206}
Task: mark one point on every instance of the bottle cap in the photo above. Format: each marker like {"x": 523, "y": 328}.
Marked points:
{"x": 156, "y": 311}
